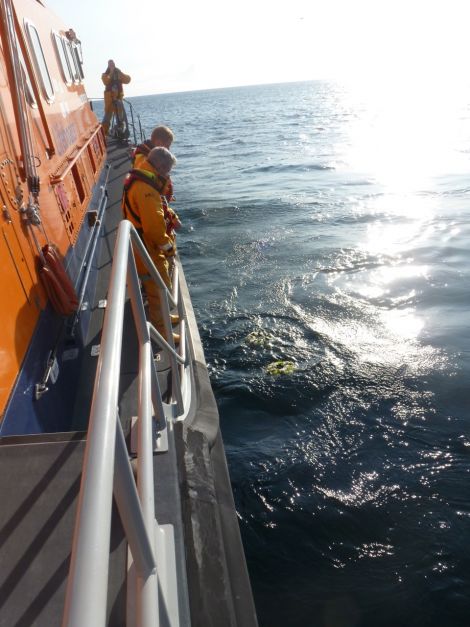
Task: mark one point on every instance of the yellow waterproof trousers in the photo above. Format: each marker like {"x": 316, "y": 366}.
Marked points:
{"x": 152, "y": 291}
{"x": 111, "y": 105}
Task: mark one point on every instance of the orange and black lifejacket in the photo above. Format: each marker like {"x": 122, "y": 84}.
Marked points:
{"x": 144, "y": 149}
{"x": 156, "y": 181}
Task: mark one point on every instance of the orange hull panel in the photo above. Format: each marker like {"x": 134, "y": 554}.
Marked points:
{"x": 69, "y": 152}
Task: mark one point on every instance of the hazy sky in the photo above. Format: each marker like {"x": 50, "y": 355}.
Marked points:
{"x": 183, "y": 44}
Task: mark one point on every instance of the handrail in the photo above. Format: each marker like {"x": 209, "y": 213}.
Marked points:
{"x": 135, "y": 130}
{"x": 138, "y": 130}
{"x": 106, "y": 459}
{"x": 168, "y": 299}
{"x": 72, "y": 160}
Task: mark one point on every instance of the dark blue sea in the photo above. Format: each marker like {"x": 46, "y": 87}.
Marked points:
{"x": 327, "y": 227}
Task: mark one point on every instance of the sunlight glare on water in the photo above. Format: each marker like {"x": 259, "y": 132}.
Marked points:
{"x": 407, "y": 132}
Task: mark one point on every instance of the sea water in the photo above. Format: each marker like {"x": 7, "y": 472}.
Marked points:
{"x": 328, "y": 226}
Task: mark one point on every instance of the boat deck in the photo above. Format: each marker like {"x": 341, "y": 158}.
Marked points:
{"x": 40, "y": 480}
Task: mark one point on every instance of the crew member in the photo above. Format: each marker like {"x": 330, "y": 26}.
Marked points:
{"x": 113, "y": 80}
{"x": 161, "y": 136}
{"x": 144, "y": 205}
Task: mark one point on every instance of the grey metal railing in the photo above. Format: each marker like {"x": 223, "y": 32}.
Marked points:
{"x": 132, "y": 125}
{"x": 106, "y": 460}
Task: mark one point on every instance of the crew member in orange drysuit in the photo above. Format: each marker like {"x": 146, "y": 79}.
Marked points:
{"x": 113, "y": 80}
{"x": 145, "y": 206}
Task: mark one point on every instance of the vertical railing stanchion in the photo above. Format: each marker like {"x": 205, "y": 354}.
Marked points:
{"x": 166, "y": 298}
{"x": 176, "y": 385}
{"x": 147, "y": 588}
{"x": 143, "y": 332}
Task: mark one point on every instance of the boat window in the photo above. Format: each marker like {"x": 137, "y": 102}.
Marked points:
{"x": 78, "y": 60}
{"x": 78, "y": 47}
{"x": 64, "y": 64}
{"x": 72, "y": 61}
{"x": 40, "y": 61}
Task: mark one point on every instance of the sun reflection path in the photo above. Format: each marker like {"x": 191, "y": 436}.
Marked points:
{"x": 398, "y": 144}
{"x": 405, "y": 134}
{"x": 380, "y": 322}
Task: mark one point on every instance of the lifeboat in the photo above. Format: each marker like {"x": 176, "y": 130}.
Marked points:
{"x": 52, "y": 158}
{"x": 117, "y": 507}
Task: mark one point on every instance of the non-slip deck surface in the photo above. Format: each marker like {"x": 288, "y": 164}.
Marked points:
{"x": 39, "y": 484}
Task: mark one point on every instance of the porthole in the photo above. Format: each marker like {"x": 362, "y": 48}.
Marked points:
{"x": 40, "y": 61}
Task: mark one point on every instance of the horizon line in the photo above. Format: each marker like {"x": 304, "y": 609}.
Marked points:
{"x": 189, "y": 91}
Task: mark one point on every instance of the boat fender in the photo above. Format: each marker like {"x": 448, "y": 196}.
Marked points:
{"x": 56, "y": 281}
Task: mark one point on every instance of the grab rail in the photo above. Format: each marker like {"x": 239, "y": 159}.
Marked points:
{"x": 138, "y": 131}
{"x": 72, "y": 160}
{"x": 132, "y": 121}
{"x": 106, "y": 459}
